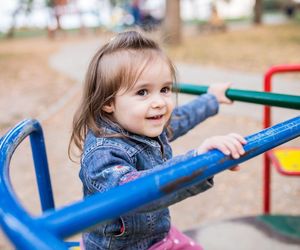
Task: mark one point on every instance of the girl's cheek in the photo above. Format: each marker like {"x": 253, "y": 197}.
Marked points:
{"x": 174, "y": 99}
{"x": 172, "y": 103}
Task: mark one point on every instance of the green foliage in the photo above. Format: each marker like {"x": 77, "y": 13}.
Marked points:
{"x": 119, "y": 2}
{"x": 23, "y": 33}
{"x": 50, "y": 3}
{"x": 297, "y": 17}
{"x": 271, "y": 5}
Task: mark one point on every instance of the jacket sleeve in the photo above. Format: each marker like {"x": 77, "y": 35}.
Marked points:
{"x": 186, "y": 117}
{"x": 105, "y": 173}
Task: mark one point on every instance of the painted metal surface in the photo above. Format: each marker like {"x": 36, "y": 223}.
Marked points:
{"x": 286, "y": 160}
{"x": 46, "y": 232}
{"x": 286, "y": 225}
{"x": 10, "y": 142}
{"x": 256, "y": 97}
{"x": 19, "y": 226}
{"x": 279, "y": 69}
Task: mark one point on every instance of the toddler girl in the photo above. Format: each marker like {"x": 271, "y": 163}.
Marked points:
{"x": 123, "y": 128}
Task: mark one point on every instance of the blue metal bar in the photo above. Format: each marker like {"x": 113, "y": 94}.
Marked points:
{"x": 11, "y": 141}
{"x": 41, "y": 167}
{"x": 103, "y": 206}
{"x": 18, "y": 225}
{"x": 24, "y": 232}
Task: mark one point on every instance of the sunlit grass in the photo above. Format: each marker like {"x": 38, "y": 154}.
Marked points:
{"x": 250, "y": 49}
{"x": 21, "y": 33}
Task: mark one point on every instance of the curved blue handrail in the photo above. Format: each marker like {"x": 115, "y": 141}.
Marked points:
{"x": 46, "y": 231}
{"x": 21, "y": 228}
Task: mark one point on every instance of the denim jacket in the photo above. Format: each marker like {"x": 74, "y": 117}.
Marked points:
{"x": 111, "y": 161}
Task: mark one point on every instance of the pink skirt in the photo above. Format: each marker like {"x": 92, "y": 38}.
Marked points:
{"x": 176, "y": 240}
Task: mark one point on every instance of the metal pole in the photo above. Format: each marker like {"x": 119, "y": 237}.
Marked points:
{"x": 267, "y": 120}
{"x": 256, "y": 97}
{"x": 41, "y": 167}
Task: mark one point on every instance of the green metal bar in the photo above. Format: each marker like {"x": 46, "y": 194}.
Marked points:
{"x": 269, "y": 99}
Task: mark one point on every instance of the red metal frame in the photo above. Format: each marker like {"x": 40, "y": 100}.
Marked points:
{"x": 267, "y": 123}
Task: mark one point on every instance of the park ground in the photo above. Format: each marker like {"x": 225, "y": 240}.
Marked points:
{"x": 30, "y": 87}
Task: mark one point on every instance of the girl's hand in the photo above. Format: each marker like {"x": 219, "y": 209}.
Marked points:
{"x": 231, "y": 144}
{"x": 218, "y": 90}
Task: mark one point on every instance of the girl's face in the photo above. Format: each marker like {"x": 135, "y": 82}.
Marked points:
{"x": 145, "y": 108}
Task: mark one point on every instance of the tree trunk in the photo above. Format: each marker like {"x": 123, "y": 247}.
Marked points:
{"x": 11, "y": 32}
{"x": 258, "y": 12}
{"x": 172, "y": 22}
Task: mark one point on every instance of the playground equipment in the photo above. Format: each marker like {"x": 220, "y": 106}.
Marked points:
{"x": 48, "y": 230}
{"x": 255, "y": 97}
{"x": 286, "y": 160}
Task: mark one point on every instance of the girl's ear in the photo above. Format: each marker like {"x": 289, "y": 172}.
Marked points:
{"x": 108, "y": 108}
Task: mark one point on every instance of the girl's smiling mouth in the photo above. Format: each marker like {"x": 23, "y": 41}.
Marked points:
{"x": 156, "y": 117}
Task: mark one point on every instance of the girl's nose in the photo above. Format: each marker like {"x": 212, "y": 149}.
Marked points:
{"x": 158, "y": 102}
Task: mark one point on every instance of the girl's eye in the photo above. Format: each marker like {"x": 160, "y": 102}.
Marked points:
{"x": 166, "y": 90}
{"x": 142, "y": 92}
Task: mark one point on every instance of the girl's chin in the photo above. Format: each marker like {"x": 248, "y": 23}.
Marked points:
{"x": 155, "y": 133}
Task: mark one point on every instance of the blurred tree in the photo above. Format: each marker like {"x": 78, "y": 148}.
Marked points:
{"x": 23, "y": 6}
{"x": 119, "y": 2}
{"x": 273, "y": 5}
{"x": 257, "y": 12}
{"x": 172, "y": 22}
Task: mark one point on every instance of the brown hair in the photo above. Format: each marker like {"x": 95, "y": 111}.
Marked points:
{"x": 117, "y": 64}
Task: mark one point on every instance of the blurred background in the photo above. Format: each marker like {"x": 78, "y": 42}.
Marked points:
{"x": 33, "y": 17}
{"x": 245, "y": 35}
{"x": 45, "y": 47}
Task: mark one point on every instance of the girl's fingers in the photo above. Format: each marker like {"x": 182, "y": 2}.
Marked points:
{"x": 213, "y": 144}
{"x": 222, "y": 146}
{"x": 235, "y": 168}
{"x": 234, "y": 146}
{"x": 231, "y": 144}
{"x": 240, "y": 138}
{"x": 219, "y": 90}
{"x": 237, "y": 145}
